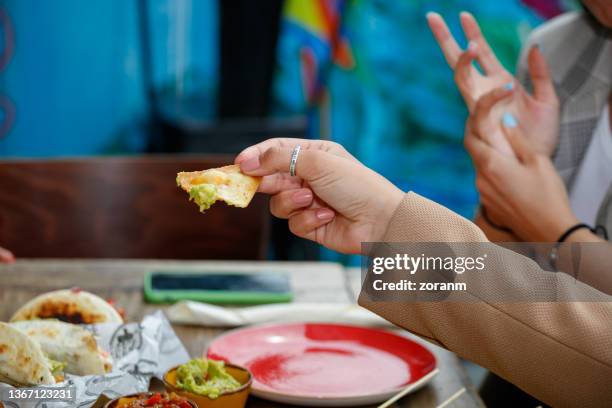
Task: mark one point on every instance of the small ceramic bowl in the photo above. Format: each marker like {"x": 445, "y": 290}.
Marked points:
{"x": 234, "y": 399}
{"x": 113, "y": 403}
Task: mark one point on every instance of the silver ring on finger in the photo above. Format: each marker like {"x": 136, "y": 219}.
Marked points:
{"x": 294, "y": 158}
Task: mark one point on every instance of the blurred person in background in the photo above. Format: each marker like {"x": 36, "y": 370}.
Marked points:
{"x": 523, "y": 198}
{"x": 572, "y": 129}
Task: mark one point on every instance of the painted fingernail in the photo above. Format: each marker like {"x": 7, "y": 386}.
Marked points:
{"x": 250, "y": 164}
{"x": 509, "y": 86}
{"x": 302, "y": 198}
{"x": 325, "y": 214}
{"x": 509, "y": 120}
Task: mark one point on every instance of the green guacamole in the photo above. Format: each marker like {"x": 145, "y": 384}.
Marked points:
{"x": 56, "y": 367}
{"x": 204, "y": 195}
{"x": 205, "y": 377}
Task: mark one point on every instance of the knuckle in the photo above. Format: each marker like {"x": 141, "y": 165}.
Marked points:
{"x": 271, "y": 152}
{"x": 277, "y": 141}
{"x": 336, "y": 147}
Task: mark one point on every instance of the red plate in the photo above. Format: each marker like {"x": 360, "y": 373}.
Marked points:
{"x": 326, "y": 364}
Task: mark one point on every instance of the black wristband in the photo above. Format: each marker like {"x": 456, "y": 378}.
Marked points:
{"x": 573, "y": 229}
{"x": 599, "y": 230}
{"x": 484, "y": 214}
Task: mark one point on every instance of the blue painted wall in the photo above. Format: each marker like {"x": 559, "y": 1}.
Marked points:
{"x": 75, "y": 74}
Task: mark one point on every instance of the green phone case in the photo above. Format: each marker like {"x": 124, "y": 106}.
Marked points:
{"x": 218, "y": 297}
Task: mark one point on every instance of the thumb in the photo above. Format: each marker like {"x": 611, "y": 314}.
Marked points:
{"x": 543, "y": 88}
{"x": 517, "y": 140}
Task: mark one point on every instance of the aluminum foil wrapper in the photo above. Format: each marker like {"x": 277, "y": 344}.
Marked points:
{"x": 139, "y": 352}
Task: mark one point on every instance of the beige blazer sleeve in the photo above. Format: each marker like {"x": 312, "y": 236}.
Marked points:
{"x": 561, "y": 353}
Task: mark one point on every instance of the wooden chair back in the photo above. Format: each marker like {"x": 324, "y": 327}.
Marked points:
{"x": 122, "y": 207}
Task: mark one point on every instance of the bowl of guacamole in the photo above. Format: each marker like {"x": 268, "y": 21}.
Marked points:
{"x": 210, "y": 383}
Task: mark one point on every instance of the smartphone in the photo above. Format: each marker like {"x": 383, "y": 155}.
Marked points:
{"x": 220, "y": 288}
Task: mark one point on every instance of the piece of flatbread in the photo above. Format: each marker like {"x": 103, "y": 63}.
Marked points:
{"x": 22, "y": 361}
{"x": 67, "y": 343}
{"x": 69, "y": 305}
{"x": 232, "y": 186}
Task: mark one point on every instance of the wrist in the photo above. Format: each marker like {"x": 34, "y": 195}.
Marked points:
{"x": 583, "y": 235}
{"x": 493, "y": 234}
{"x": 562, "y": 227}
{"x": 562, "y": 249}
{"x": 553, "y": 230}
{"x": 492, "y": 222}
{"x": 381, "y": 221}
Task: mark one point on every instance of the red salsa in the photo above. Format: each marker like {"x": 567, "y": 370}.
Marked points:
{"x": 157, "y": 400}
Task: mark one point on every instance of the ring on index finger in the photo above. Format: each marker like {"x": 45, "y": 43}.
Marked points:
{"x": 294, "y": 158}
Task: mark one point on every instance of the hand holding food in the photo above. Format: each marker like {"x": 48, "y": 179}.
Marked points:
{"x": 225, "y": 183}
{"x": 332, "y": 198}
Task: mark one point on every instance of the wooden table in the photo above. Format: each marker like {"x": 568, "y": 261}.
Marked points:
{"x": 122, "y": 280}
